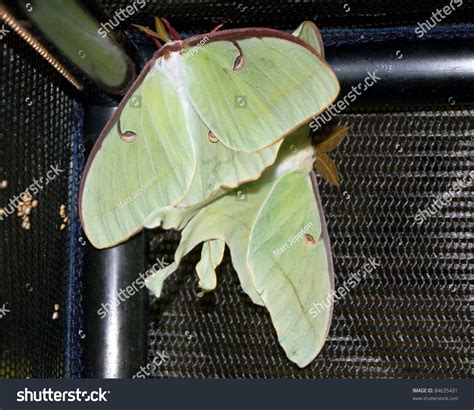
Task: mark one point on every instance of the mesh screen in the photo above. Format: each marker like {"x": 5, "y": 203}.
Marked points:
{"x": 37, "y": 124}
{"x": 200, "y": 14}
{"x": 410, "y": 318}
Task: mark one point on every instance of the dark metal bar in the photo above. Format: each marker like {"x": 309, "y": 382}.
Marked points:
{"x": 115, "y": 318}
{"x": 412, "y": 73}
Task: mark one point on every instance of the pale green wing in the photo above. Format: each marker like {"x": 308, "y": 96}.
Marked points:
{"x": 276, "y": 234}
{"x": 291, "y": 265}
{"x": 211, "y": 256}
{"x": 171, "y": 217}
{"x": 231, "y": 217}
{"x": 155, "y": 281}
{"x": 169, "y": 162}
{"x": 278, "y": 86}
{"x": 219, "y": 170}
{"x": 222, "y": 169}
{"x": 159, "y": 156}
{"x": 126, "y": 181}
{"x": 310, "y": 34}
{"x": 228, "y": 219}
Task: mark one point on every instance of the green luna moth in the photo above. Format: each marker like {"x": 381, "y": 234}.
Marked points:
{"x": 209, "y": 119}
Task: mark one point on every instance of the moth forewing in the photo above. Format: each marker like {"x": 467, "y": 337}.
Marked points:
{"x": 282, "y": 85}
{"x": 310, "y": 34}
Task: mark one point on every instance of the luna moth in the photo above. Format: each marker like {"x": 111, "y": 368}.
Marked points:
{"x": 196, "y": 126}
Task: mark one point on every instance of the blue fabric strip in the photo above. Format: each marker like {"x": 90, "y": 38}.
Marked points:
{"x": 338, "y": 36}
{"x": 334, "y": 37}
{"x": 76, "y": 253}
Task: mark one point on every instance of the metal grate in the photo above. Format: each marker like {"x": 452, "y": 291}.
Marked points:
{"x": 37, "y": 124}
{"x": 410, "y": 318}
